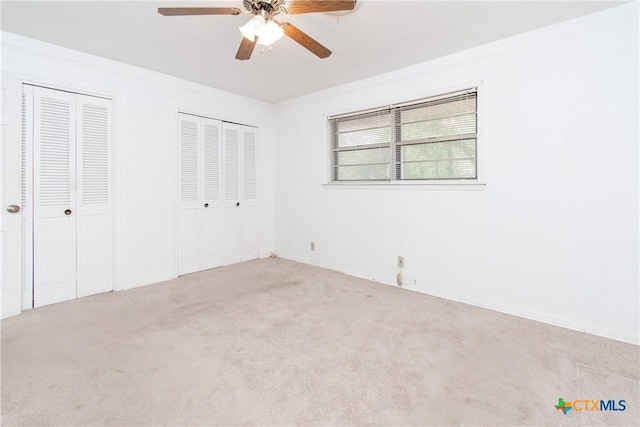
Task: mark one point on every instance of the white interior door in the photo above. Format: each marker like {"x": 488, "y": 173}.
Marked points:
{"x": 190, "y": 189}
{"x": 232, "y": 135}
{"x": 94, "y": 195}
{"x": 211, "y": 218}
{"x": 200, "y": 223}
{"x": 217, "y": 213}
{"x": 72, "y": 227}
{"x": 54, "y": 222}
{"x": 248, "y": 233}
{"x": 239, "y": 241}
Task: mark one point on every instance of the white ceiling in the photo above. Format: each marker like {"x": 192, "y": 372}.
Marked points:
{"x": 379, "y": 36}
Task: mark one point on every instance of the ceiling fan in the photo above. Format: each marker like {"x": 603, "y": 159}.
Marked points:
{"x": 263, "y": 28}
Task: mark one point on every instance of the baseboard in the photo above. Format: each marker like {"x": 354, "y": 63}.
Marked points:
{"x": 495, "y": 306}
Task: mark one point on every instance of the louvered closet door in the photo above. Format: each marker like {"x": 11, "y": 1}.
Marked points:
{"x": 217, "y": 214}
{"x": 211, "y": 216}
{"x": 94, "y": 195}
{"x": 190, "y": 195}
{"x": 248, "y": 233}
{"x": 54, "y": 257}
{"x": 239, "y": 242}
{"x": 231, "y": 190}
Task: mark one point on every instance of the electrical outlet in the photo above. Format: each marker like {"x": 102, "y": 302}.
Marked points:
{"x": 313, "y": 246}
{"x": 400, "y": 262}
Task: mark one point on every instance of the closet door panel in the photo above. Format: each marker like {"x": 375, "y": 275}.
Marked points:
{"x": 212, "y": 232}
{"x": 190, "y": 190}
{"x": 189, "y": 248}
{"x": 230, "y": 241}
{"x": 54, "y": 278}
{"x": 248, "y": 232}
{"x": 94, "y": 196}
{"x": 212, "y": 197}
{"x": 232, "y": 135}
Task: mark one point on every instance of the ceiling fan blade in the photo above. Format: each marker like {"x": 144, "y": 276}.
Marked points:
{"x": 313, "y": 46}
{"x": 182, "y": 11}
{"x": 246, "y": 48}
{"x": 311, "y": 6}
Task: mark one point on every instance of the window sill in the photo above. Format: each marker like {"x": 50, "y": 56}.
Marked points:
{"x": 406, "y": 185}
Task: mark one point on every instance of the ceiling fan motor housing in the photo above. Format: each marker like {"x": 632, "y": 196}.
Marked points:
{"x": 270, "y": 6}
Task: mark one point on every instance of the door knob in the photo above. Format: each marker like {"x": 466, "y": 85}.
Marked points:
{"x": 13, "y": 208}
{"x": 67, "y": 212}
{"x": 237, "y": 203}
{"x": 206, "y": 205}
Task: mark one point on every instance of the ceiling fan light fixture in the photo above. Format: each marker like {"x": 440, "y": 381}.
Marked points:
{"x": 270, "y": 33}
{"x": 250, "y": 29}
{"x": 267, "y": 32}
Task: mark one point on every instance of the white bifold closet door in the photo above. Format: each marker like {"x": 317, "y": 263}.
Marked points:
{"x": 71, "y": 195}
{"x": 200, "y": 174}
{"x": 216, "y": 209}
{"x": 239, "y": 241}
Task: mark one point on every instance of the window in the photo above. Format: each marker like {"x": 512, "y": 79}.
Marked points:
{"x": 430, "y": 139}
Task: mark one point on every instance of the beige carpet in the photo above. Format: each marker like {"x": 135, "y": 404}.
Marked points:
{"x": 273, "y": 342}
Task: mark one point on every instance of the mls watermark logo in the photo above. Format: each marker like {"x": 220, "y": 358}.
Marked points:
{"x": 590, "y": 405}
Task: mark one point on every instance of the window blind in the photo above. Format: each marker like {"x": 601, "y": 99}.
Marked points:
{"x": 428, "y": 139}
{"x": 362, "y": 146}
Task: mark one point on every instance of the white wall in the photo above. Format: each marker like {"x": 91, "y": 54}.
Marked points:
{"x": 146, "y": 105}
{"x": 553, "y": 235}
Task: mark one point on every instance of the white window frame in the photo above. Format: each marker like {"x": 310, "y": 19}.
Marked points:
{"x": 473, "y": 184}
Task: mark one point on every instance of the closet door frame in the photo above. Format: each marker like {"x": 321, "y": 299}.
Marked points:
{"x": 27, "y": 138}
{"x": 27, "y": 196}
